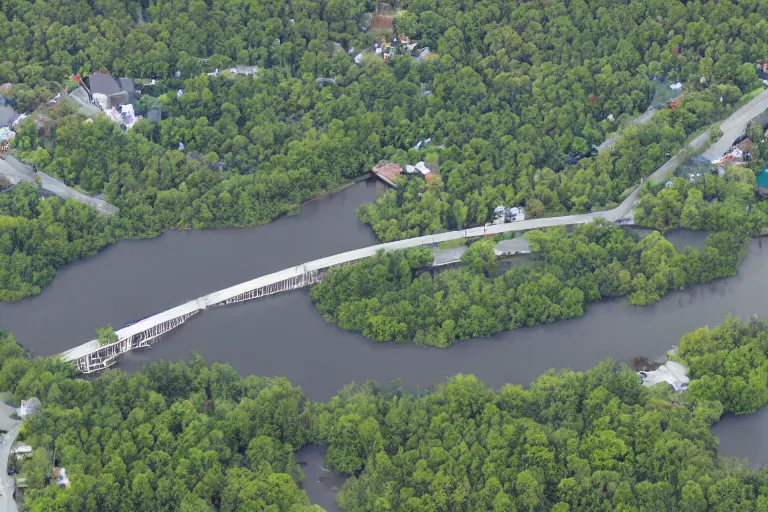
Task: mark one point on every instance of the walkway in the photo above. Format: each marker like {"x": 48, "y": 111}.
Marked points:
{"x": 16, "y": 172}
{"x": 91, "y": 356}
{"x": 12, "y": 427}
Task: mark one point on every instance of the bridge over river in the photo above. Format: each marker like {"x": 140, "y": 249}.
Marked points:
{"x": 91, "y": 356}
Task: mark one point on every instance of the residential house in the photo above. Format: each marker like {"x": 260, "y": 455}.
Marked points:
{"x": 244, "y": 70}
{"x": 110, "y": 92}
{"x": 387, "y": 172}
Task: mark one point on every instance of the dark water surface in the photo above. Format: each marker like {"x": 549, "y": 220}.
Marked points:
{"x": 744, "y": 436}
{"x": 286, "y": 336}
{"x": 137, "y": 278}
{"x": 320, "y": 483}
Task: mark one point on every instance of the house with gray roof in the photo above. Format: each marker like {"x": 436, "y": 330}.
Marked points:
{"x": 110, "y": 92}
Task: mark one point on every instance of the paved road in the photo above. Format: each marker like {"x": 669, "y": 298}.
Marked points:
{"x": 635, "y": 121}
{"x": 12, "y": 427}
{"x": 17, "y": 172}
{"x": 735, "y": 126}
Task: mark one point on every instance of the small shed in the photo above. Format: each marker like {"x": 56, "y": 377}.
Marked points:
{"x": 387, "y": 172}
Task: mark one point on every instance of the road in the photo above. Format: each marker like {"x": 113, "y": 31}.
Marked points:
{"x": 17, "y": 172}
{"x": 735, "y": 126}
{"x": 12, "y": 427}
{"x": 641, "y": 119}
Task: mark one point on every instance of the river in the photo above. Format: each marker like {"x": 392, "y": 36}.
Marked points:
{"x": 285, "y": 335}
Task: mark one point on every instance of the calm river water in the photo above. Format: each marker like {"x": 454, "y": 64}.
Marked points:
{"x": 285, "y": 335}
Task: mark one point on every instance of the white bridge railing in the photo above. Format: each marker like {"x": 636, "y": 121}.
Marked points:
{"x": 92, "y": 357}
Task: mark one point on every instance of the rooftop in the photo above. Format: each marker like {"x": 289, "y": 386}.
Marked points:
{"x": 388, "y": 172}
{"x": 103, "y": 83}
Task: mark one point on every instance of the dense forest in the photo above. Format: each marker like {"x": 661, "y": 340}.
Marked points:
{"x": 199, "y": 438}
{"x": 391, "y": 298}
{"x": 38, "y": 235}
{"x": 729, "y": 364}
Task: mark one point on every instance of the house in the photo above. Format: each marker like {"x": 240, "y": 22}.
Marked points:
{"x": 110, "y": 92}
{"x": 244, "y": 70}
{"x": 512, "y": 247}
{"x": 128, "y": 86}
{"x": 387, "y": 172}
